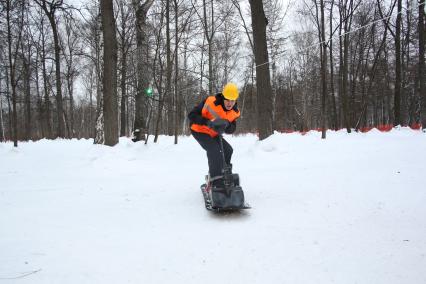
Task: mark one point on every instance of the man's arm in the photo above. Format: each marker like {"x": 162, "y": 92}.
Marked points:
{"x": 231, "y": 127}
{"x": 195, "y": 114}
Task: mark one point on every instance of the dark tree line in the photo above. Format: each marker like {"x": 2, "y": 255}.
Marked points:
{"x": 367, "y": 71}
{"x": 135, "y": 68}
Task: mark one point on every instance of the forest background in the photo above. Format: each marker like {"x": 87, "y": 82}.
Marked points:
{"x": 135, "y": 68}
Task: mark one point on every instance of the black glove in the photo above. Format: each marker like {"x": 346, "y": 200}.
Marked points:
{"x": 219, "y": 125}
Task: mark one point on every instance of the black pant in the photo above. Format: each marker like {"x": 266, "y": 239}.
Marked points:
{"x": 214, "y": 155}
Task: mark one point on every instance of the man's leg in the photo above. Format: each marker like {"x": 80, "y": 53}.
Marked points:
{"x": 227, "y": 148}
{"x": 213, "y": 152}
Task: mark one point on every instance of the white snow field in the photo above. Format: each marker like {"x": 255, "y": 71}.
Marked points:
{"x": 348, "y": 209}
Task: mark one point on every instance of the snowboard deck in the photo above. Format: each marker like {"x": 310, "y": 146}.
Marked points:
{"x": 209, "y": 205}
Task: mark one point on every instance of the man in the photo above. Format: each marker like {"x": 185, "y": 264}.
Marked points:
{"x": 209, "y": 119}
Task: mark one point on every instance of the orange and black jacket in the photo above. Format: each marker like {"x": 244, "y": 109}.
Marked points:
{"x": 211, "y": 108}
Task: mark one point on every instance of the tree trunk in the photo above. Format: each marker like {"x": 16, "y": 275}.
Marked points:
{"x": 47, "y": 121}
{"x": 333, "y": 98}
{"x": 344, "y": 78}
{"x": 202, "y": 67}
{"x": 59, "y": 103}
{"x": 9, "y": 107}
{"x": 110, "y": 104}
{"x": 71, "y": 94}
{"x": 98, "y": 121}
{"x": 2, "y": 137}
{"x": 177, "y": 101}
{"x": 70, "y": 88}
{"x": 169, "y": 67}
{"x": 323, "y": 72}
{"x": 143, "y": 75}
{"x": 12, "y": 68}
{"x": 397, "y": 96}
{"x": 406, "y": 91}
{"x": 123, "y": 64}
{"x": 40, "y": 128}
{"x": 263, "y": 78}
{"x": 421, "y": 73}
{"x": 27, "y": 100}
{"x": 159, "y": 85}
{"x": 123, "y": 124}
{"x": 159, "y": 111}
{"x": 209, "y": 37}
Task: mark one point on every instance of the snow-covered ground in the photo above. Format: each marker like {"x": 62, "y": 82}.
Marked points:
{"x": 348, "y": 209}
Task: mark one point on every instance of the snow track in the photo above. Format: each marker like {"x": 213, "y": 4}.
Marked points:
{"x": 348, "y": 209}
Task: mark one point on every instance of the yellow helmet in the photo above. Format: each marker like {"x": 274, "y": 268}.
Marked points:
{"x": 230, "y": 92}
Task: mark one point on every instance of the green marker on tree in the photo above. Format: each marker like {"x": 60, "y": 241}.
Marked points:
{"x": 148, "y": 91}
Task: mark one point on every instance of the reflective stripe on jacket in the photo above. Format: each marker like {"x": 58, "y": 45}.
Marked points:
{"x": 212, "y": 111}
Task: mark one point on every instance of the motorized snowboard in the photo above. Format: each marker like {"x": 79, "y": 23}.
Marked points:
{"x": 230, "y": 197}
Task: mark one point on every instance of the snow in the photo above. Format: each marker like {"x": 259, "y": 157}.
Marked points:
{"x": 348, "y": 209}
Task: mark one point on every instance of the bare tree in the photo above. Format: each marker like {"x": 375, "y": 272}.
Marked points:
{"x": 323, "y": 56}
{"x": 276, "y": 43}
{"x": 143, "y": 75}
{"x": 158, "y": 69}
{"x": 263, "y": 79}
{"x": 398, "y": 66}
{"x": 50, "y": 9}
{"x": 422, "y": 72}
{"x": 71, "y": 48}
{"x": 228, "y": 42}
{"x": 397, "y": 38}
{"x": 346, "y": 11}
{"x": 334, "y": 121}
{"x": 110, "y": 104}
{"x": 209, "y": 33}
{"x": 26, "y": 54}
{"x": 2, "y": 136}
{"x": 13, "y": 46}
{"x": 45, "y": 115}
{"x": 126, "y": 36}
{"x": 176, "y": 109}
{"x": 183, "y": 16}
{"x": 169, "y": 70}
{"x": 92, "y": 74}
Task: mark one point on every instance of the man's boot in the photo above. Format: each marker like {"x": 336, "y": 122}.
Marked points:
{"x": 217, "y": 182}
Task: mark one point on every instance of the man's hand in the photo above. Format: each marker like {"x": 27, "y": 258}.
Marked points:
{"x": 219, "y": 125}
